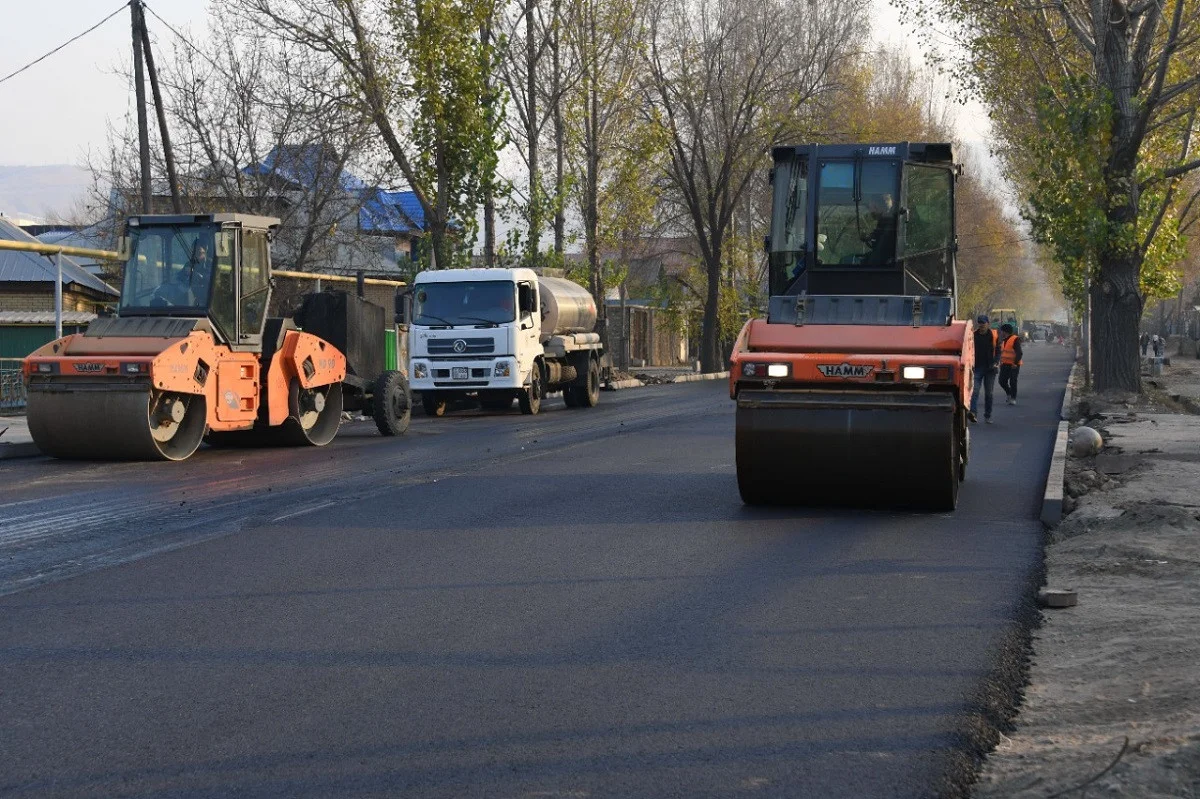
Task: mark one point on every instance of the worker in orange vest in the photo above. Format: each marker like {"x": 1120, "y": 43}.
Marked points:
{"x": 1011, "y": 355}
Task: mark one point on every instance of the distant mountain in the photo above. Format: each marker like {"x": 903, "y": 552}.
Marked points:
{"x": 35, "y": 192}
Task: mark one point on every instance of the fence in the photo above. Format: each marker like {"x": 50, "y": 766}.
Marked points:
{"x": 12, "y": 385}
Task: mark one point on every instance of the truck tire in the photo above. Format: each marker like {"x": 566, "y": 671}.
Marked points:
{"x": 432, "y": 404}
{"x": 391, "y": 403}
{"x": 589, "y": 393}
{"x": 570, "y": 397}
{"x": 531, "y": 398}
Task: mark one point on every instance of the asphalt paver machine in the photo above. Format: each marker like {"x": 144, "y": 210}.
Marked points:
{"x": 854, "y": 390}
{"x": 192, "y": 354}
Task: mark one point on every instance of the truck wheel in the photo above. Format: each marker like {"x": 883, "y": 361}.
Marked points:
{"x": 570, "y": 397}
{"x": 589, "y": 393}
{"x": 432, "y": 405}
{"x": 391, "y": 404}
{"x": 531, "y": 398}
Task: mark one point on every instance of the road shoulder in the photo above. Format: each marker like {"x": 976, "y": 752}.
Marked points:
{"x": 1121, "y": 665}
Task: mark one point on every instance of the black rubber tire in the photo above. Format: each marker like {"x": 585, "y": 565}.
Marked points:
{"x": 589, "y": 392}
{"x": 432, "y": 405}
{"x": 391, "y": 403}
{"x": 964, "y": 443}
{"x": 531, "y": 398}
{"x": 947, "y": 499}
{"x": 570, "y": 396}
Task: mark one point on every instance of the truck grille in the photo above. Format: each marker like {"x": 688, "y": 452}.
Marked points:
{"x": 469, "y": 346}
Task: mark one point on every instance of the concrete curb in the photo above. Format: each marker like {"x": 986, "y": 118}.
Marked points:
{"x": 21, "y": 449}
{"x": 617, "y": 385}
{"x": 695, "y": 377}
{"x": 1069, "y": 394}
{"x": 1052, "y": 499}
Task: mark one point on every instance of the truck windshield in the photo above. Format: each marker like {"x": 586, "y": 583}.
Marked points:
{"x": 170, "y": 268}
{"x": 469, "y": 302}
{"x": 857, "y": 212}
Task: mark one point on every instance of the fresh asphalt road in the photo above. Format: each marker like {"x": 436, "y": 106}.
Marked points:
{"x": 570, "y": 605}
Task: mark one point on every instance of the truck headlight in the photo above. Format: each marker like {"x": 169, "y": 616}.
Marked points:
{"x": 420, "y": 370}
{"x": 502, "y": 369}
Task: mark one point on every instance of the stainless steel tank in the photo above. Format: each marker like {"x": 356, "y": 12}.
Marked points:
{"x": 567, "y": 307}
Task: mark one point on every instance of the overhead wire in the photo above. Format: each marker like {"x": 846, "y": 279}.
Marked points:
{"x": 73, "y": 39}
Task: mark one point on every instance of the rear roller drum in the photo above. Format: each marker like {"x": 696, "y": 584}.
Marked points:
{"x": 314, "y": 414}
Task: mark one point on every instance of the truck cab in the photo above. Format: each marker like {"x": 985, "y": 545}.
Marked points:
{"x": 499, "y": 334}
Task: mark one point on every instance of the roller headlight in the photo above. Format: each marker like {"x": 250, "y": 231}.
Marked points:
{"x": 913, "y": 373}
{"x": 777, "y": 370}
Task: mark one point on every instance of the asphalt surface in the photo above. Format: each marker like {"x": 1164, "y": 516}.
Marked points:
{"x": 570, "y": 605}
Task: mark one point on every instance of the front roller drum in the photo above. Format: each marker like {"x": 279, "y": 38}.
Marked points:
{"x": 116, "y": 423}
{"x": 862, "y": 449}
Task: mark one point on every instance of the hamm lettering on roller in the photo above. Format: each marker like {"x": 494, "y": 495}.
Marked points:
{"x": 845, "y": 370}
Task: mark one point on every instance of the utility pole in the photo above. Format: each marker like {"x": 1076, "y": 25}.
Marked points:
{"x": 161, "y": 112}
{"x": 139, "y": 86}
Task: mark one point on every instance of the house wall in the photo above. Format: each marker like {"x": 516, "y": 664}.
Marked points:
{"x": 25, "y": 300}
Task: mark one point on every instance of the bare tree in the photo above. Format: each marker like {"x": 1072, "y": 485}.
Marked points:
{"x": 728, "y": 79}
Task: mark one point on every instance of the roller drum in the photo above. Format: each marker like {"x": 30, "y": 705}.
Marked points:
{"x": 127, "y": 422}
{"x": 861, "y": 449}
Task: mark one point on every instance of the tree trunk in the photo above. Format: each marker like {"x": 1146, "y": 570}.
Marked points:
{"x": 560, "y": 141}
{"x": 531, "y": 135}
{"x": 489, "y": 189}
{"x": 710, "y": 355}
{"x": 1116, "y": 314}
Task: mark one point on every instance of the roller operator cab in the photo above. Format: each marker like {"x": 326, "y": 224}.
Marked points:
{"x": 854, "y": 389}
{"x": 499, "y": 334}
{"x": 190, "y": 353}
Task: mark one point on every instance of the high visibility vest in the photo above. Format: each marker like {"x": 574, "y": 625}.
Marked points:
{"x": 1008, "y": 352}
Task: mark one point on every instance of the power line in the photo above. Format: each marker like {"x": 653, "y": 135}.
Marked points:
{"x": 186, "y": 41}
{"x": 64, "y": 44}
{"x": 996, "y": 244}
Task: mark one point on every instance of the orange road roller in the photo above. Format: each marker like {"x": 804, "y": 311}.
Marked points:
{"x": 854, "y": 390}
{"x": 192, "y": 354}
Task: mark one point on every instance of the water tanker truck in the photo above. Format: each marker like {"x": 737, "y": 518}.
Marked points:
{"x": 500, "y": 334}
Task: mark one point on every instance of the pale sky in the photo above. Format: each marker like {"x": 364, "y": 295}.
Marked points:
{"x": 55, "y": 111}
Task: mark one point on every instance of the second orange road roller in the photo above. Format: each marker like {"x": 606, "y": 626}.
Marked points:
{"x": 855, "y": 388}
{"x": 192, "y": 354}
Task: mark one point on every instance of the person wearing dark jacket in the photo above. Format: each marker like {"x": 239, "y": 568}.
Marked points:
{"x": 987, "y": 358}
{"x": 1011, "y": 356}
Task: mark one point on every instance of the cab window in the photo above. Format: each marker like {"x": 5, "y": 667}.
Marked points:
{"x": 255, "y": 277}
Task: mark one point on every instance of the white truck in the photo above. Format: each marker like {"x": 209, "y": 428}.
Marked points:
{"x": 496, "y": 334}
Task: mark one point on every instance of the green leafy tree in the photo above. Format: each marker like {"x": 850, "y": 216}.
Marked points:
{"x": 1121, "y": 77}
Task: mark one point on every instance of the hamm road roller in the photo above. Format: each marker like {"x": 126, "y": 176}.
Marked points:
{"x": 855, "y": 388}
{"x": 192, "y": 354}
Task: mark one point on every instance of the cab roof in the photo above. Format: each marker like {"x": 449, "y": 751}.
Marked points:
{"x": 461, "y": 275}
{"x": 926, "y": 152}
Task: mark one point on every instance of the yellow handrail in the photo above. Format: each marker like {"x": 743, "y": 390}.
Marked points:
{"x": 54, "y": 249}
{"x": 370, "y": 281}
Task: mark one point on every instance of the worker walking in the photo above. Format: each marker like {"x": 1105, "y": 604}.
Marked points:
{"x": 1011, "y": 356}
{"x": 987, "y": 358}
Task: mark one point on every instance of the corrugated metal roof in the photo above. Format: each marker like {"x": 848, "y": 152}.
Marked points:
{"x": 392, "y": 212}
{"x": 27, "y": 267}
{"x": 304, "y": 165}
{"x": 45, "y": 317}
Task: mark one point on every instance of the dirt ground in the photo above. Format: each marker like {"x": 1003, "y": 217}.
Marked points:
{"x": 1113, "y": 705}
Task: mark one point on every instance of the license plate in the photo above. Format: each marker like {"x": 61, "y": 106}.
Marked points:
{"x": 459, "y": 373}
